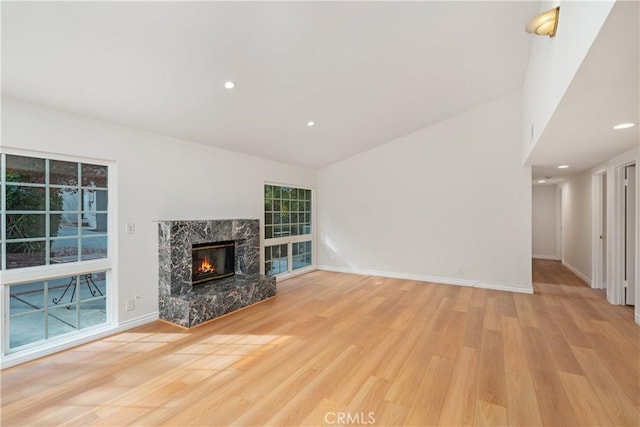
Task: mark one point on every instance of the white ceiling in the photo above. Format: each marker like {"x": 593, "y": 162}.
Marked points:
{"x": 604, "y": 92}
{"x": 365, "y": 72}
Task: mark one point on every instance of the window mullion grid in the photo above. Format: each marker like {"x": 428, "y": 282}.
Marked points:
{"x": 80, "y": 210}
{"x": 47, "y": 217}
{"x": 3, "y": 228}
{"x": 46, "y": 307}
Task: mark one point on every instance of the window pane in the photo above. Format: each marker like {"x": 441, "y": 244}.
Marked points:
{"x": 25, "y": 169}
{"x": 268, "y": 218}
{"x": 26, "y": 329}
{"x": 94, "y": 200}
{"x": 301, "y": 254}
{"x": 268, "y": 232}
{"x": 92, "y": 286}
{"x": 63, "y": 224}
{"x": 21, "y": 198}
{"x": 55, "y": 199}
{"x": 26, "y": 298}
{"x": 268, "y": 205}
{"x": 62, "y": 292}
{"x": 63, "y": 173}
{"x": 25, "y": 226}
{"x": 68, "y": 199}
{"x": 286, "y": 192}
{"x": 94, "y": 223}
{"x": 64, "y": 250}
{"x": 93, "y": 313}
{"x": 25, "y": 254}
{"x": 94, "y": 248}
{"x": 94, "y": 175}
{"x": 62, "y": 320}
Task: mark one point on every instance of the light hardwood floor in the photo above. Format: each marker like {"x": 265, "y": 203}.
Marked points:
{"x": 384, "y": 352}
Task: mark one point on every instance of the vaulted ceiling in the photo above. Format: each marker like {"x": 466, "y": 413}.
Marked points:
{"x": 365, "y": 72}
{"x": 604, "y": 92}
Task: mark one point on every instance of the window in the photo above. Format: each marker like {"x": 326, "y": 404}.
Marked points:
{"x": 42, "y": 310}
{"x": 53, "y": 212}
{"x": 287, "y": 228}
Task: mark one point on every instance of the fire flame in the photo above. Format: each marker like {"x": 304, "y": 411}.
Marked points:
{"x": 206, "y": 267}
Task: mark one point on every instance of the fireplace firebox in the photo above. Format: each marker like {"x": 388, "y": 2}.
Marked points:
{"x": 212, "y": 261}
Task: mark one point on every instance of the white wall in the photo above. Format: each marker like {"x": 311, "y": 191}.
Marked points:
{"x": 449, "y": 203}
{"x": 576, "y": 224}
{"x": 543, "y": 218}
{"x": 554, "y": 61}
{"x": 160, "y": 178}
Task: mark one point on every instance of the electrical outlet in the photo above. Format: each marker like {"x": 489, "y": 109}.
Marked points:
{"x": 130, "y": 305}
{"x": 131, "y": 228}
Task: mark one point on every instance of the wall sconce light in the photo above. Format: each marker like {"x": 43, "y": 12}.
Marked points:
{"x": 544, "y": 24}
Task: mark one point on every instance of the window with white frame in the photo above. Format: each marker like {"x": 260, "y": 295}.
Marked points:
{"x": 288, "y": 229}
{"x": 53, "y": 213}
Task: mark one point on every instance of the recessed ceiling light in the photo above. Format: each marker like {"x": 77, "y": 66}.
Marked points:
{"x": 563, "y": 166}
{"x": 229, "y": 84}
{"x": 624, "y": 126}
{"x": 311, "y": 123}
{"x": 541, "y": 181}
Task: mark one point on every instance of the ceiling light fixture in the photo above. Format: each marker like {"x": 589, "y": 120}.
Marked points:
{"x": 229, "y": 84}
{"x": 541, "y": 181}
{"x": 311, "y": 123}
{"x": 545, "y": 23}
{"x": 624, "y": 126}
{"x": 563, "y": 166}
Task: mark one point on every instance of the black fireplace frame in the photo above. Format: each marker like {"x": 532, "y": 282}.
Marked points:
{"x": 230, "y": 261}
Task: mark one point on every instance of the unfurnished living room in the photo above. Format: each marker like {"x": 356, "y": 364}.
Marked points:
{"x": 320, "y": 213}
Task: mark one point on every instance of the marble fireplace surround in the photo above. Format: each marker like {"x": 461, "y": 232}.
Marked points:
{"x": 186, "y": 305}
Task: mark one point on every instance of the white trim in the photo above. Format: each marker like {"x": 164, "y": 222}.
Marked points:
{"x": 426, "y": 278}
{"x": 597, "y": 255}
{"x": 551, "y": 257}
{"x": 41, "y": 351}
{"x": 53, "y": 271}
{"x": 637, "y": 316}
{"x": 295, "y": 273}
{"x": 577, "y": 272}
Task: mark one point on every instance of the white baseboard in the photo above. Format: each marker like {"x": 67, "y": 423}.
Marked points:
{"x": 138, "y": 321}
{"x": 577, "y": 272}
{"x": 426, "y": 278}
{"x": 550, "y": 257}
{"x": 55, "y": 347}
{"x": 637, "y": 316}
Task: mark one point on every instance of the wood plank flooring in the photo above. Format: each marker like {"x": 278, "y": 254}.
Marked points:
{"x": 337, "y": 349}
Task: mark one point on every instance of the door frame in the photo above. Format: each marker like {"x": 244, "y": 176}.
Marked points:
{"x": 614, "y": 169}
{"x": 598, "y": 256}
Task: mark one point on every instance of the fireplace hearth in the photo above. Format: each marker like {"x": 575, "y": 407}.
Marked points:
{"x": 200, "y": 280}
